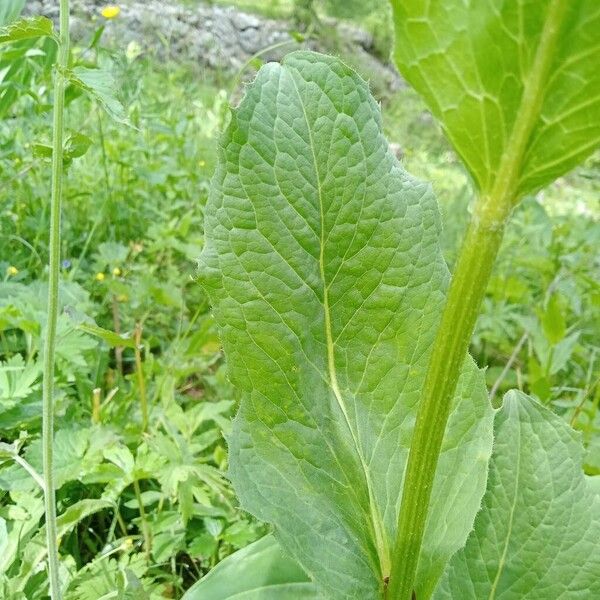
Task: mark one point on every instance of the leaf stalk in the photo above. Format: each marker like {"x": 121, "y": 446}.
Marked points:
{"x": 53, "y": 301}
{"x": 467, "y": 289}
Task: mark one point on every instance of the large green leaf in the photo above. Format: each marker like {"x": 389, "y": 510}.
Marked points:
{"x": 260, "y": 571}
{"x": 100, "y": 85}
{"x": 4, "y": 541}
{"x": 515, "y": 84}
{"x": 76, "y": 453}
{"x": 538, "y": 534}
{"x": 323, "y": 265}
{"x": 24, "y": 524}
{"x": 27, "y": 28}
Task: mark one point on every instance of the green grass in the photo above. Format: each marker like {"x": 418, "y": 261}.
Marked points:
{"x": 132, "y": 229}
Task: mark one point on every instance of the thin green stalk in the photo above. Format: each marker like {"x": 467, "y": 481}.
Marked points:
{"x": 100, "y": 216}
{"x": 54, "y": 268}
{"x": 29, "y": 468}
{"x": 236, "y": 82}
{"x": 507, "y": 366}
{"x": 139, "y": 371}
{"x": 145, "y": 528}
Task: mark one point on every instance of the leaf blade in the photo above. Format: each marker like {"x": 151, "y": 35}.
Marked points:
{"x": 100, "y": 86}
{"x": 259, "y": 571}
{"x": 323, "y": 266}
{"x": 537, "y": 533}
{"x": 513, "y": 82}
{"x": 27, "y": 28}
{"x": 112, "y": 338}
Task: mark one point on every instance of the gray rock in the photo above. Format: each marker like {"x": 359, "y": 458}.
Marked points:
{"x": 215, "y": 36}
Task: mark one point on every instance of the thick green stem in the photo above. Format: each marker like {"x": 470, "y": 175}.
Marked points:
{"x": 467, "y": 289}
{"x": 469, "y": 282}
{"x": 54, "y": 268}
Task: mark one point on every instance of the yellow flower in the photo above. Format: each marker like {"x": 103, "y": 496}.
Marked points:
{"x": 116, "y": 271}
{"x": 12, "y": 270}
{"x": 99, "y": 276}
{"x": 202, "y": 163}
{"x": 110, "y": 11}
{"x": 122, "y": 298}
{"x": 127, "y": 544}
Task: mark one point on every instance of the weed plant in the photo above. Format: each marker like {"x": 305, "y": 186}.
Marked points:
{"x": 139, "y": 450}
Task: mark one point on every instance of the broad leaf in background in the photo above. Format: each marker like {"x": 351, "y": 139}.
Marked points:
{"x": 538, "y": 533}
{"x": 28, "y": 59}
{"x": 111, "y": 577}
{"x": 75, "y": 146}
{"x": 35, "y": 551}
{"x": 77, "y": 452}
{"x": 100, "y": 85}
{"x": 24, "y": 29}
{"x": 323, "y": 265}
{"x": 17, "y": 380}
{"x": 260, "y": 571}
{"x": 4, "y": 541}
{"x": 516, "y": 85}
{"x": 26, "y": 514}
{"x": 110, "y": 337}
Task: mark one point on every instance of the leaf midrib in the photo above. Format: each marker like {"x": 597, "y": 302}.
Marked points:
{"x": 505, "y": 184}
{"x": 376, "y": 522}
{"x": 502, "y": 561}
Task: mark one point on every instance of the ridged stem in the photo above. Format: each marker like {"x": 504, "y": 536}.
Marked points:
{"x": 53, "y": 301}
{"x": 467, "y": 289}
